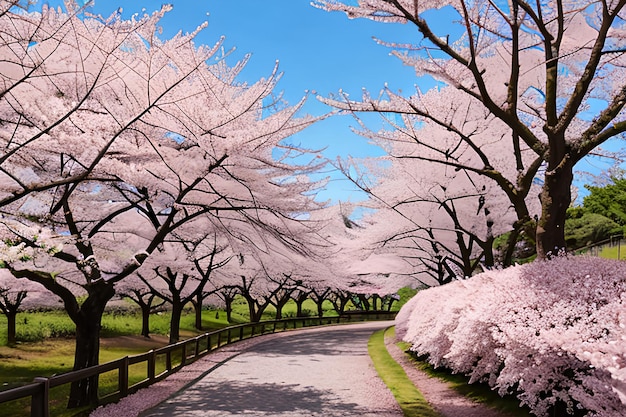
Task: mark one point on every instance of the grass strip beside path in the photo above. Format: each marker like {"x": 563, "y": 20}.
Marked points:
{"x": 411, "y": 401}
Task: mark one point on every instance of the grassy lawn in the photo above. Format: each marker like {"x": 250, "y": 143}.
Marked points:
{"x": 46, "y": 348}
{"x": 46, "y": 345}
{"x": 615, "y": 252}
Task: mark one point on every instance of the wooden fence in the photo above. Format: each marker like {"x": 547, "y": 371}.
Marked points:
{"x": 613, "y": 248}
{"x": 171, "y": 358}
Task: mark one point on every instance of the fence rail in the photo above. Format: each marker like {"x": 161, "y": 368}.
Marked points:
{"x": 174, "y": 356}
{"x": 613, "y": 247}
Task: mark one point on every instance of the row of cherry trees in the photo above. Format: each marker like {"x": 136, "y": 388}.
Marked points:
{"x": 519, "y": 93}
{"x": 140, "y": 166}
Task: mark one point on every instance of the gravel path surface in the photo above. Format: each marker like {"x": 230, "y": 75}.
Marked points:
{"x": 315, "y": 372}
{"x": 444, "y": 400}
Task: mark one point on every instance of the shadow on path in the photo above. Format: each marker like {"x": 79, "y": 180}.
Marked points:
{"x": 337, "y": 342}
{"x": 321, "y": 373}
{"x": 230, "y": 397}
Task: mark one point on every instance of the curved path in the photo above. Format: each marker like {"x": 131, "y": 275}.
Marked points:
{"x": 327, "y": 372}
{"x": 323, "y": 371}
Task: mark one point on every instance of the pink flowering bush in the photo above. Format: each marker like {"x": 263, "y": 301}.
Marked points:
{"x": 551, "y": 332}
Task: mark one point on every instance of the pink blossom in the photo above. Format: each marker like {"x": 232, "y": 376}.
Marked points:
{"x": 549, "y": 331}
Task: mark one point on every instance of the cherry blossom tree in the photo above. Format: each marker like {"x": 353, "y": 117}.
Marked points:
{"x": 227, "y": 294}
{"x": 13, "y": 294}
{"x": 55, "y": 84}
{"x": 547, "y": 78}
{"x": 352, "y": 267}
{"x": 10, "y": 303}
{"x": 20, "y": 295}
{"x": 126, "y": 139}
{"x": 137, "y": 292}
{"x": 443, "y": 221}
{"x": 179, "y": 274}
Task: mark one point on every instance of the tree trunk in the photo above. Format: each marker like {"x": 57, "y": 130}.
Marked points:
{"x": 320, "y": 309}
{"x": 197, "y": 306}
{"x": 88, "y": 325}
{"x": 9, "y": 306}
{"x": 364, "y": 302}
{"x": 555, "y": 200}
{"x": 375, "y": 299}
{"x": 319, "y": 299}
{"x": 85, "y": 391}
{"x": 254, "y": 308}
{"x": 145, "y": 319}
{"x": 11, "y": 327}
{"x": 177, "y": 312}
{"x": 279, "y": 307}
{"x": 488, "y": 258}
{"x": 299, "y": 300}
{"x": 228, "y": 306}
{"x": 255, "y": 313}
{"x": 340, "y": 302}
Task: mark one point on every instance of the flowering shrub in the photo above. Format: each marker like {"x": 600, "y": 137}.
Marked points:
{"x": 551, "y": 332}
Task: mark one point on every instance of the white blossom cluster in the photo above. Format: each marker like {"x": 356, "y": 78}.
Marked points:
{"x": 550, "y": 332}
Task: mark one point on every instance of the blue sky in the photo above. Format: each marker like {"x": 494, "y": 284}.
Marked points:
{"x": 317, "y": 51}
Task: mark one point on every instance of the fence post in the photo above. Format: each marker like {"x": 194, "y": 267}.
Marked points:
{"x": 122, "y": 376}
{"x": 241, "y": 333}
{"x": 183, "y": 359}
{"x": 39, "y": 402}
{"x": 152, "y": 365}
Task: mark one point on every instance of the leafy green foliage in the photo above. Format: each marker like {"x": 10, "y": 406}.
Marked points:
{"x": 405, "y": 293}
{"x": 524, "y": 247}
{"x": 589, "y": 228}
{"x": 609, "y": 201}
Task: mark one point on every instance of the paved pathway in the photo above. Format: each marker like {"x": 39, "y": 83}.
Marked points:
{"x": 317, "y": 372}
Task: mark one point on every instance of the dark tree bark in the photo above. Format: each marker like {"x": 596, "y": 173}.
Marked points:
{"x": 319, "y": 297}
{"x": 9, "y": 306}
{"x": 144, "y": 299}
{"x": 555, "y": 199}
{"x": 340, "y": 300}
{"x": 228, "y": 301}
{"x": 197, "y": 307}
{"x": 280, "y": 302}
{"x": 88, "y": 318}
{"x": 177, "y": 312}
{"x": 299, "y": 298}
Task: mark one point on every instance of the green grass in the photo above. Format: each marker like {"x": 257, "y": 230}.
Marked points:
{"x": 46, "y": 345}
{"x": 39, "y": 354}
{"x": 477, "y": 392}
{"x": 613, "y": 252}
{"x": 411, "y": 401}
